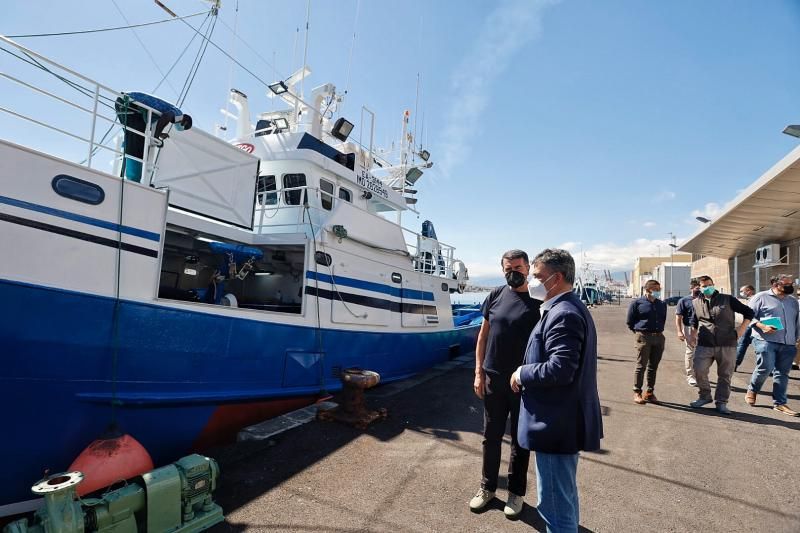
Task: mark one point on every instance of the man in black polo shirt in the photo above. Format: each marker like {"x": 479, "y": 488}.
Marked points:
{"x": 646, "y": 318}
{"x": 509, "y": 315}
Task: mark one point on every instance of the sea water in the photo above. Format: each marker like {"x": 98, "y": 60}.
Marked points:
{"x": 470, "y": 297}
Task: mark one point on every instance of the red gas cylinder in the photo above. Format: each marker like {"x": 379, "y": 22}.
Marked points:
{"x": 113, "y": 457}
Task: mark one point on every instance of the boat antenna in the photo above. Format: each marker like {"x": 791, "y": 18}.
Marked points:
{"x": 233, "y": 53}
{"x": 305, "y": 50}
{"x": 352, "y": 47}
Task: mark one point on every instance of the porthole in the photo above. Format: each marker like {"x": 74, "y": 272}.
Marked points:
{"x": 445, "y": 287}
{"x": 323, "y": 259}
{"x": 396, "y": 277}
{"x": 78, "y": 189}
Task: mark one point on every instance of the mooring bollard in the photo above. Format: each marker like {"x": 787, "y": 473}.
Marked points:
{"x": 352, "y": 408}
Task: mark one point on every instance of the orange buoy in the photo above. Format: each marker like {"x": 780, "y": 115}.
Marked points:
{"x": 113, "y": 457}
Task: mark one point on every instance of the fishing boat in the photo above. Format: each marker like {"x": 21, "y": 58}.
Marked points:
{"x": 233, "y": 280}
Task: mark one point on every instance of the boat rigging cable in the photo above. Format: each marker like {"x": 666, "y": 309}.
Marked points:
{"x": 147, "y": 51}
{"x": 322, "y": 388}
{"x": 99, "y": 30}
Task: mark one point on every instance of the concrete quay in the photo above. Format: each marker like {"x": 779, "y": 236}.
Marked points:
{"x": 666, "y": 468}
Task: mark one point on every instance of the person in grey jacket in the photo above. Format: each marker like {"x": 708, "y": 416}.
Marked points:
{"x": 774, "y": 337}
{"x": 714, "y": 321}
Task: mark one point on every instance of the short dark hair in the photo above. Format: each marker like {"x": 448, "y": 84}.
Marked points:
{"x": 514, "y": 254}
{"x": 704, "y": 278}
{"x": 558, "y": 260}
{"x": 776, "y": 279}
{"x": 694, "y": 282}
{"x": 650, "y": 282}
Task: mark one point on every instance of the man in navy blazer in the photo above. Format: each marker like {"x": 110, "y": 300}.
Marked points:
{"x": 560, "y": 413}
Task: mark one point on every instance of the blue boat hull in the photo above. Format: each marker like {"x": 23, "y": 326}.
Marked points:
{"x": 66, "y": 359}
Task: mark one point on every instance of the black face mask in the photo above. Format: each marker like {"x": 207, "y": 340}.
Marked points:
{"x": 788, "y": 289}
{"x": 515, "y": 279}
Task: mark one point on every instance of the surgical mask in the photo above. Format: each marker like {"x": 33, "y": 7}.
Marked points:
{"x": 537, "y": 289}
{"x": 788, "y": 289}
{"x": 515, "y": 279}
{"x": 655, "y": 294}
{"x": 708, "y": 291}
{"x": 743, "y": 294}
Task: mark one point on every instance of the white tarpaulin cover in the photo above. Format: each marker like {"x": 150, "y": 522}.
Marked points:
{"x": 208, "y": 176}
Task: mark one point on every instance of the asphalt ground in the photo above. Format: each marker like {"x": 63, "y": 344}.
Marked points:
{"x": 662, "y": 468}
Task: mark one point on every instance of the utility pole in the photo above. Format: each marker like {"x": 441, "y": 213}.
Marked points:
{"x": 672, "y": 247}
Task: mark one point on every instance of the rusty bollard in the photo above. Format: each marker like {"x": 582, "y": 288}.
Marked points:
{"x": 352, "y": 408}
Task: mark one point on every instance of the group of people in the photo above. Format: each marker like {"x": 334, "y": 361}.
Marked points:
{"x": 536, "y": 363}
{"x": 706, "y": 322}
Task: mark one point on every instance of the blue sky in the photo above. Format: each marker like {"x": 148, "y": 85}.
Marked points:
{"x": 598, "y": 126}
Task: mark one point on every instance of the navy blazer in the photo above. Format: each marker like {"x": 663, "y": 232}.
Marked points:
{"x": 560, "y": 406}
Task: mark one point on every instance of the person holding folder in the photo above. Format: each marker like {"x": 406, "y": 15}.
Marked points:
{"x": 774, "y": 337}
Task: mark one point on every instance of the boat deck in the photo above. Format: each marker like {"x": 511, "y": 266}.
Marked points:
{"x": 662, "y": 468}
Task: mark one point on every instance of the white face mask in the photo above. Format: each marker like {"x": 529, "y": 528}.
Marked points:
{"x": 537, "y": 290}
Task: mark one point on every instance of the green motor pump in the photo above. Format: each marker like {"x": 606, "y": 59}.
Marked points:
{"x": 174, "y": 498}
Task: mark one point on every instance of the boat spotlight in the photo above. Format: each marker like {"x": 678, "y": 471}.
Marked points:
{"x": 342, "y": 128}
{"x": 278, "y": 88}
{"x": 281, "y": 124}
{"x": 425, "y": 155}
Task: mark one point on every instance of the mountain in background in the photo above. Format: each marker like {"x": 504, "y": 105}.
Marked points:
{"x": 490, "y": 282}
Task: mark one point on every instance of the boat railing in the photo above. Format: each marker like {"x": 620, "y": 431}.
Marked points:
{"x": 61, "y": 94}
{"x": 429, "y": 256}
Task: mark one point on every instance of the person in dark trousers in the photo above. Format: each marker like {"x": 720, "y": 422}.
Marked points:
{"x": 746, "y": 292}
{"x": 683, "y": 315}
{"x": 714, "y": 320}
{"x": 509, "y": 315}
{"x": 775, "y": 334}
{"x": 560, "y": 414}
{"x": 646, "y": 318}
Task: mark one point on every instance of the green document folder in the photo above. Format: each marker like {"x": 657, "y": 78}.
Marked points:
{"x": 774, "y": 321}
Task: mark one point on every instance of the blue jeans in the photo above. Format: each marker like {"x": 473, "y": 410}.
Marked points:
{"x": 773, "y": 358}
{"x": 558, "y": 491}
{"x": 742, "y": 344}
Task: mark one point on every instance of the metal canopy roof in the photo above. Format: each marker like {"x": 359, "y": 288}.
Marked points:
{"x": 766, "y": 212}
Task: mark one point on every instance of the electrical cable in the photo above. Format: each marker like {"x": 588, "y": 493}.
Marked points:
{"x": 82, "y": 32}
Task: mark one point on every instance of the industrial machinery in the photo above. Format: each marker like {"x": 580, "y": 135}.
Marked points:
{"x": 174, "y": 498}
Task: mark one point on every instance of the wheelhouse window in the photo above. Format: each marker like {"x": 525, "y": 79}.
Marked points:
{"x": 345, "y": 195}
{"x": 326, "y": 189}
{"x": 266, "y": 190}
{"x": 291, "y": 181}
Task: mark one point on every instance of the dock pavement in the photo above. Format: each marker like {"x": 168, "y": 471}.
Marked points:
{"x": 664, "y": 468}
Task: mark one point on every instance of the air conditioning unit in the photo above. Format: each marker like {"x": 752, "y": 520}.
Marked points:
{"x": 768, "y": 254}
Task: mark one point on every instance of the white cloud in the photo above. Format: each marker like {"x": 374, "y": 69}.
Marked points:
{"x": 664, "y": 196}
{"x": 710, "y": 211}
{"x": 616, "y": 256}
{"x": 649, "y": 224}
{"x": 505, "y": 30}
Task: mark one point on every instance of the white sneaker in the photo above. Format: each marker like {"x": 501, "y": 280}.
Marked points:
{"x": 481, "y": 498}
{"x": 691, "y": 381}
{"x": 513, "y": 506}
